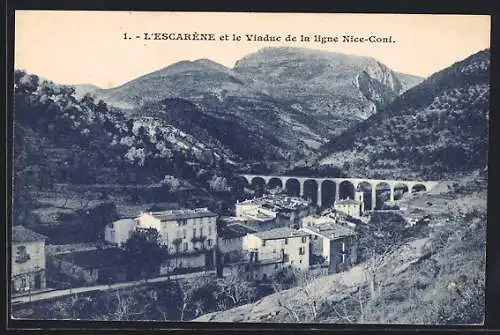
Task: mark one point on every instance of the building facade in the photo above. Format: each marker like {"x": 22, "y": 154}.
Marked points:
{"x": 118, "y": 232}
{"x": 278, "y": 209}
{"x": 28, "y": 260}
{"x": 189, "y": 234}
{"x": 270, "y": 251}
{"x": 332, "y": 245}
{"x": 353, "y": 207}
{"x": 230, "y": 239}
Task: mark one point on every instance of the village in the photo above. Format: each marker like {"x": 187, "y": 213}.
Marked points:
{"x": 266, "y": 235}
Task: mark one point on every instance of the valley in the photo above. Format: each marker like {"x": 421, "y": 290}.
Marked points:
{"x": 287, "y": 135}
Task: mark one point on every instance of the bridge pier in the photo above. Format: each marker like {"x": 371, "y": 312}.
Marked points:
{"x": 301, "y": 183}
{"x": 337, "y": 191}
{"x": 391, "y": 197}
{"x": 374, "y": 198}
{"x": 318, "y": 202}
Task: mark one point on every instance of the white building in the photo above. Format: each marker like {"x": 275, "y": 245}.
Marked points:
{"x": 275, "y": 249}
{"x": 118, "y": 232}
{"x": 353, "y": 207}
{"x": 188, "y": 233}
{"x": 277, "y": 210}
{"x": 230, "y": 240}
{"x": 332, "y": 245}
{"x": 28, "y": 260}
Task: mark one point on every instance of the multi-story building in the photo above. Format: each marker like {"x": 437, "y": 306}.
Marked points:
{"x": 332, "y": 245}
{"x": 118, "y": 232}
{"x": 230, "y": 239}
{"x": 272, "y": 250}
{"x": 277, "y": 210}
{"x": 28, "y": 260}
{"x": 353, "y": 207}
{"x": 189, "y": 234}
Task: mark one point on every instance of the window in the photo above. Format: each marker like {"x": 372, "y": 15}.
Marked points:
{"x": 300, "y": 261}
{"x": 185, "y": 246}
{"x": 201, "y": 231}
{"x": 194, "y": 232}
{"x": 276, "y": 265}
{"x": 315, "y": 237}
{"x": 184, "y": 233}
{"x": 209, "y": 230}
{"x": 209, "y": 241}
{"x": 304, "y": 239}
{"x": 263, "y": 243}
{"x": 302, "y": 251}
{"x": 286, "y": 241}
{"x": 22, "y": 255}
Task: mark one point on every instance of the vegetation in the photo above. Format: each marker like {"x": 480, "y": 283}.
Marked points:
{"x": 146, "y": 251}
{"x": 435, "y": 129}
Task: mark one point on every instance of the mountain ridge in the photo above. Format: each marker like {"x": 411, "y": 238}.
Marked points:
{"x": 432, "y": 118}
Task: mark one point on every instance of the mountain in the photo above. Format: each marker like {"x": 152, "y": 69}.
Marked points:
{"x": 437, "y": 128}
{"x": 331, "y": 90}
{"x": 284, "y": 102}
{"x": 226, "y": 100}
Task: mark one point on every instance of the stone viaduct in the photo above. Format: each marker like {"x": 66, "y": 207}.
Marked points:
{"x": 355, "y": 182}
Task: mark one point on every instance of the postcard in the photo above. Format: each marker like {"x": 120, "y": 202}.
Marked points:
{"x": 230, "y": 167}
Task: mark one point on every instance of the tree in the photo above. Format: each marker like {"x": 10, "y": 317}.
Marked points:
{"x": 237, "y": 289}
{"x": 146, "y": 251}
{"x": 197, "y": 297}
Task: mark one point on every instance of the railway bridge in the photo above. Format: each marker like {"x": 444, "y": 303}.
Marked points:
{"x": 358, "y": 184}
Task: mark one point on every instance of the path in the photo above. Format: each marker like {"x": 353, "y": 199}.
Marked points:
{"x": 75, "y": 290}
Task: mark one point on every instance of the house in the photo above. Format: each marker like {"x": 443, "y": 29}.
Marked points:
{"x": 189, "y": 234}
{"x": 332, "y": 245}
{"x": 351, "y": 207}
{"x": 339, "y": 218}
{"x": 28, "y": 260}
{"x": 272, "y": 250}
{"x": 278, "y": 210}
{"x": 91, "y": 267}
{"x": 230, "y": 239}
{"x": 118, "y": 232}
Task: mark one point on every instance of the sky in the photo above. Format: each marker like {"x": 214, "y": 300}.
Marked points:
{"x": 88, "y": 47}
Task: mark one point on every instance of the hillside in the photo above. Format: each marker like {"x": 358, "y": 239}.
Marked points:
{"x": 435, "y": 129}
{"x": 96, "y": 151}
{"x": 435, "y": 278}
{"x": 82, "y": 89}
{"x": 229, "y": 105}
{"x": 286, "y": 102}
{"x": 333, "y": 89}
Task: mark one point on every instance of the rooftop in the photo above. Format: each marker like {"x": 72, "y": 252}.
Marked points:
{"x": 279, "y": 233}
{"x": 21, "y": 234}
{"x": 332, "y": 231}
{"x": 178, "y": 214}
{"x": 278, "y": 202}
{"x": 235, "y": 230}
{"x": 123, "y": 221}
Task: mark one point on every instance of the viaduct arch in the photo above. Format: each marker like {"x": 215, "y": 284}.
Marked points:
{"x": 360, "y": 184}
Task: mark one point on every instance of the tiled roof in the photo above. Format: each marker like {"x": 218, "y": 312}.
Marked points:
{"x": 279, "y": 233}
{"x": 183, "y": 214}
{"x": 235, "y": 230}
{"x": 332, "y": 231}
{"x": 21, "y": 234}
